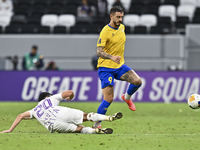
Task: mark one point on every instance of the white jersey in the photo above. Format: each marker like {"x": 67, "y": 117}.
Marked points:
{"x": 55, "y": 117}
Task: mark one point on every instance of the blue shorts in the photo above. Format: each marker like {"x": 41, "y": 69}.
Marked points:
{"x": 107, "y": 75}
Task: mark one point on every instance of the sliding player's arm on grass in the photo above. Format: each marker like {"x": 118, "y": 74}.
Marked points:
{"x": 25, "y": 115}
{"x": 101, "y": 53}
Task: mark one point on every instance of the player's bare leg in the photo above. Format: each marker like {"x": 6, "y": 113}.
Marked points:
{"x": 108, "y": 94}
{"x": 135, "y": 82}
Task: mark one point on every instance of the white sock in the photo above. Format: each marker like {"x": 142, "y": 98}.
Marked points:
{"x": 97, "y": 124}
{"x": 127, "y": 96}
{"x": 96, "y": 117}
{"x": 88, "y": 130}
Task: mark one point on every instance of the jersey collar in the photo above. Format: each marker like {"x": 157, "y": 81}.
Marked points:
{"x": 113, "y": 28}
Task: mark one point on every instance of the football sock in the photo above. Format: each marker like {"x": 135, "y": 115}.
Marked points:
{"x": 88, "y": 130}
{"x": 131, "y": 89}
{"x": 101, "y": 110}
{"x": 96, "y": 117}
{"x": 103, "y": 107}
{"x": 97, "y": 124}
{"x": 127, "y": 96}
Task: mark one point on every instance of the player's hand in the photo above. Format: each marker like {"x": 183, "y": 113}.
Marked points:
{"x": 70, "y": 97}
{"x": 5, "y": 131}
{"x": 116, "y": 59}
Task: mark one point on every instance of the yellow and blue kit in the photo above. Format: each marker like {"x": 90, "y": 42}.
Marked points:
{"x": 113, "y": 40}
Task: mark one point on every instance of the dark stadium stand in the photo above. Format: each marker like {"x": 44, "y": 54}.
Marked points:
{"x": 58, "y": 2}
{"x": 127, "y": 30}
{"x": 157, "y": 30}
{"x": 18, "y": 20}
{"x": 13, "y": 29}
{"x": 29, "y": 29}
{"x": 23, "y": 10}
{"x": 1, "y": 30}
{"x": 23, "y": 3}
{"x": 171, "y": 2}
{"x": 44, "y": 30}
{"x": 196, "y": 20}
{"x": 71, "y": 9}
{"x": 151, "y": 9}
{"x": 135, "y": 2}
{"x": 140, "y": 30}
{"x": 41, "y": 2}
{"x": 34, "y": 20}
{"x": 136, "y": 9}
{"x": 85, "y": 29}
{"x": 73, "y": 2}
{"x": 29, "y": 13}
{"x": 165, "y": 23}
{"x": 181, "y": 22}
{"x": 56, "y": 9}
{"x": 60, "y": 30}
{"x": 38, "y": 10}
{"x": 197, "y": 11}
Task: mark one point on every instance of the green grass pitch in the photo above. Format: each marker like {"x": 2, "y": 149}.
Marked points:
{"x": 152, "y": 126}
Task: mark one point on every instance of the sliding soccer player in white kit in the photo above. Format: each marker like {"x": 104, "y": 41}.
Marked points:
{"x": 63, "y": 119}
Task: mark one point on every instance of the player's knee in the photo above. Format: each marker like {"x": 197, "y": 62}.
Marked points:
{"x": 89, "y": 116}
{"x": 78, "y": 129}
{"x": 109, "y": 98}
{"x": 138, "y": 82}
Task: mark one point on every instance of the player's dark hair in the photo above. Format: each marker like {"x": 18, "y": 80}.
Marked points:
{"x": 43, "y": 95}
{"x": 115, "y": 9}
{"x": 34, "y": 47}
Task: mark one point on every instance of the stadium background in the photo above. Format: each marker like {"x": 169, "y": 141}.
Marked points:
{"x": 161, "y": 40}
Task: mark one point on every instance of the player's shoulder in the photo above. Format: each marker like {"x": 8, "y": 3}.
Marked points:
{"x": 122, "y": 26}
{"x": 105, "y": 31}
{"x": 105, "y": 28}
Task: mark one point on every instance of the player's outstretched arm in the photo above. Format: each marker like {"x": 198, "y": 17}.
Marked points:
{"x": 101, "y": 53}
{"x": 68, "y": 94}
{"x": 25, "y": 115}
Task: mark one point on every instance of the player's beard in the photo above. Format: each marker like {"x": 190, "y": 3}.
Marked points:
{"x": 117, "y": 23}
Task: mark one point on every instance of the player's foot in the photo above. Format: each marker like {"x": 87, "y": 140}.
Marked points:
{"x": 103, "y": 131}
{"x": 131, "y": 105}
{"x": 93, "y": 127}
{"x": 115, "y": 116}
{"x": 97, "y": 125}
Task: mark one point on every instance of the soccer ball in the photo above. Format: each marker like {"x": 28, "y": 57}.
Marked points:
{"x": 194, "y": 101}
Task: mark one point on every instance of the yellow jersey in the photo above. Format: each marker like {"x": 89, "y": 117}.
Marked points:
{"x": 113, "y": 40}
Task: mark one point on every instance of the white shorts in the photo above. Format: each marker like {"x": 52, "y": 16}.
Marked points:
{"x": 67, "y": 120}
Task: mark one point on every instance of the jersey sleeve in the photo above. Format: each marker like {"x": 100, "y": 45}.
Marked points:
{"x": 102, "y": 38}
{"x": 31, "y": 114}
{"x": 58, "y": 97}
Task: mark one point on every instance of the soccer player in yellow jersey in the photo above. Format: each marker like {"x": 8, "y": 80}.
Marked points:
{"x": 110, "y": 49}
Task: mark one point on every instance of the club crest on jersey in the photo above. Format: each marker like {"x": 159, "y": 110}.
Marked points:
{"x": 113, "y": 34}
{"x": 99, "y": 41}
{"x": 122, "y": 30}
